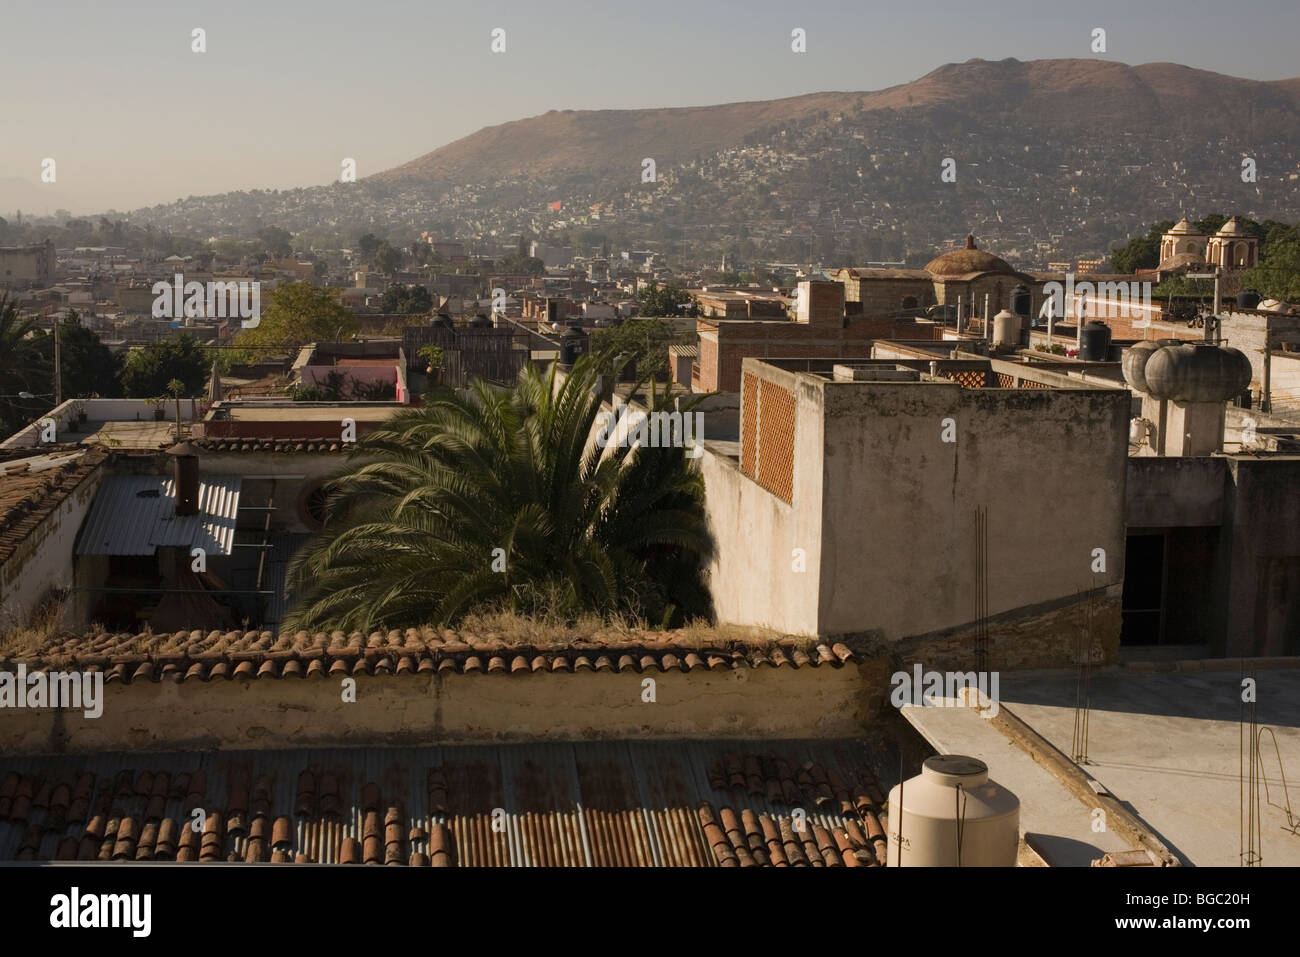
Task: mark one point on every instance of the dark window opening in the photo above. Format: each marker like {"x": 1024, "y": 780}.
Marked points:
{"x": 1144, "y": 587}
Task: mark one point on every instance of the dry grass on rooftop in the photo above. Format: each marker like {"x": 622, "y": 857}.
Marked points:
{"x": 550, "y": 631}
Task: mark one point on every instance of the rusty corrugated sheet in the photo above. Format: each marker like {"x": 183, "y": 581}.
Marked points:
{"x": 537, "y": 805}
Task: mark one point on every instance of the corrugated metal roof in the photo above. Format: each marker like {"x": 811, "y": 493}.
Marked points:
{"x": 136, "y": 514}
{"x": 593, "y": 803}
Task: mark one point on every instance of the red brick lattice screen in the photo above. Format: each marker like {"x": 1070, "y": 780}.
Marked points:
{"x": 776, "y": 440}
{"x": 749, "y": 424}
{"x": 967, "y": 378}
{"x": 1006, "y": 381}
{"x": 1031, "y": 384}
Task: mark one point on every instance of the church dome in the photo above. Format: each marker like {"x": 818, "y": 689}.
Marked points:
{"x": 962, "y": 262}
{"x": 1232, "y": 230}
{"x": 1182, "y": 228}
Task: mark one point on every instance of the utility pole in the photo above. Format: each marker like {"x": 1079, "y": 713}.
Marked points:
{"x": 58, "y": 372}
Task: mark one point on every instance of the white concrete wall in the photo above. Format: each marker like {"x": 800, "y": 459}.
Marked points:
{"x": 754, "y": 577}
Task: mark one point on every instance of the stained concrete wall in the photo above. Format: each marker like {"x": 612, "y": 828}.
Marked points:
{"x": 452, "y": 708}
{"x": 1263, "y": 616}
{"x": 1175, "y": 492}
{"x": 899, "y": 504}
{"x": 884, "y": 508}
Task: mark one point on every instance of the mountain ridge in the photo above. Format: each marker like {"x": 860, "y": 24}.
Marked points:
{"x": 1075, "y": 93}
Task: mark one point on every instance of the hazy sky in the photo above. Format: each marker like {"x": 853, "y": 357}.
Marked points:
{"x": 288, "y": 88}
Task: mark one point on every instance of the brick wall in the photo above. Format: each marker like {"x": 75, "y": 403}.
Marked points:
{"x": 725, "y": 346}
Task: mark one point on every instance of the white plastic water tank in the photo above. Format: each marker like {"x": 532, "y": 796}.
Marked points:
{"x": 1006, "y": 329}
{"x": 952, "y": 815}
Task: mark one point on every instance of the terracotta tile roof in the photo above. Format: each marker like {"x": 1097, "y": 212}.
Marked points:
{"x": 30, "y": 491}
{"x": 802, "y": 803}
{"x": 270, "y": 445}
{"x": 205, "y": 656}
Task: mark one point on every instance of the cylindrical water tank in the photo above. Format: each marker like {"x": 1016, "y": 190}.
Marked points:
{"x": 1247, "y": 299}
{"x": 1134, "y": 363}
{"x": 952, "y": 815}
{"x": 1006, "y": 329}
{"x": 1095, "y": 345}
{"x": 1137, "y": 356}
{"x": 1021, "y": 302}
{"x": 572, "y": 345}
{"x": 1197, "y": 372}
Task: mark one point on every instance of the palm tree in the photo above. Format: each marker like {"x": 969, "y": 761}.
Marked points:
{"x": 22, "y": 368}
{"x": 505, "y": 499}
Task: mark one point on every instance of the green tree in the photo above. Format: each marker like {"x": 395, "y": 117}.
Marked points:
{"x": 88, "y": 366}
{"x": 298, "y": 313}
{"x": 668, "y": 300}
{"x": 368, "y": 245}
{"x": 1140, "y": 252}
{"x": 406, "y": 300}
{"x": 149, "y": 371}
{"x": 1278, "y": 274}
{"x": 276, "y": 241}
{"x": 388, "y": 260}
{"x": 1210, "y": 224}
{"x": 645, "y": 340}
{"x": 23, "y": 368}
{"x": 504, "y": 498}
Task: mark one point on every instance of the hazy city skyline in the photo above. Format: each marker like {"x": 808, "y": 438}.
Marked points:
{"x": 133, "y": 117}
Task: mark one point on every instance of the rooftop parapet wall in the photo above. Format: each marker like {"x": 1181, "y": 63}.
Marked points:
{"x": 257, "y": 690}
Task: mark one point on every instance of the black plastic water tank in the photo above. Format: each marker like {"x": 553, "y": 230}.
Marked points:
{"x": 1021, "y": 303}
{"x": 572, "y": 345}
{"x": 1247, "y": 299}
{"x": 1095, "y": 345}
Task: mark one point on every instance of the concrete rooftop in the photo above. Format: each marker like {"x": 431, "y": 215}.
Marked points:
{"x": 1168, "y": 744}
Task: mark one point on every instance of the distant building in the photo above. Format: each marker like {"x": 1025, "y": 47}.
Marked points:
{"x": 1183, "y": 248}
{"x": 27, "y": 267}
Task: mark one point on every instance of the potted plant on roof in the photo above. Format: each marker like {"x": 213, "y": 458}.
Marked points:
{"x": 175, "y": 388}
{"x": 157, "y": 403}
{"x": 432, "y": 356}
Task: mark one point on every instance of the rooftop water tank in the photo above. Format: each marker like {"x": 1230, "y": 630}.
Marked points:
{"x": 1247, "y": 299}
{"x": 952, "y": 815}
{"x": 1095, "y": 343}
{"x": 1006, "y": 329}
{"x": 1197, "y": 372}
{"x": 1134, "y": 363}
{"x": 572, "y": 345}
{"x": 1137, "y": 356}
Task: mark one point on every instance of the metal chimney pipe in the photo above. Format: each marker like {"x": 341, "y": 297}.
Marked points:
{"x": 185, "y": 477}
